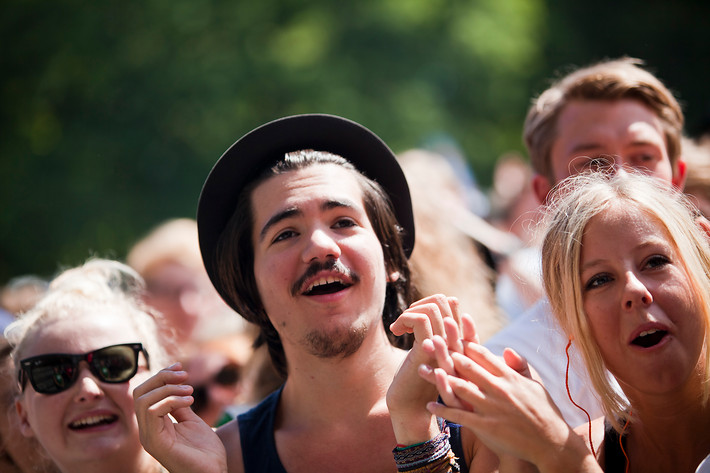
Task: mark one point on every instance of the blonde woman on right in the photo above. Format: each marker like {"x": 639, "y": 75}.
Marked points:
{"x": 627, "y": 271}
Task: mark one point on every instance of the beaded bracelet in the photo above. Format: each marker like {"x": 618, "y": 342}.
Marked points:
{"x": 432, "y": 456}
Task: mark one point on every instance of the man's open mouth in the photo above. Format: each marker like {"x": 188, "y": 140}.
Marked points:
{"x": 327, "y": 285}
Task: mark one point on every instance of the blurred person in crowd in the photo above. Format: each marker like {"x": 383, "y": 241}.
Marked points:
{"x": 169, "y": 260}
{"x": 446, "y": 259}
{"x": 516, "y": 209}
{"x": 217, "y": 372}
{"x": 18, "y": 454}
{"x": 79, "y": 353}
{"x": 21, "y": 293}
{"x": 211, "y": 334}
{"x": 697, "y": 185}
{"x": 607, "y": 115}
{"x": 306, "y": 225}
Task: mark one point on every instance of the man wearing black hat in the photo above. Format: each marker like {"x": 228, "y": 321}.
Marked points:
{"x": 305, "y": 229}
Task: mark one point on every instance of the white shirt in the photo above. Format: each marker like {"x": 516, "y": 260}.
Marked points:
{"x": 536, "y": 336}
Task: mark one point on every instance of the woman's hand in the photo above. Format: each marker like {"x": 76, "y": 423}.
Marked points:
{"x": 509, "y": 412}
{"x": 170, "y": 431}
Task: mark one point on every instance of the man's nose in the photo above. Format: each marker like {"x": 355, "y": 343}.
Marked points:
{"x": 321, "y": 245}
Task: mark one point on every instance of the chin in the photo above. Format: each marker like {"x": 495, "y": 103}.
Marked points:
{"x": 340, "y": 342}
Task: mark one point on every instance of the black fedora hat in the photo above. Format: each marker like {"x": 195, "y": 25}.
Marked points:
{"x": 259, "y": 149}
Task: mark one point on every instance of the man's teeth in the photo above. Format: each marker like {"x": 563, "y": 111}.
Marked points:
{"x": 648, "y": 332}
{"x": 90, "y": 421}
{"x": 322, "y": 282}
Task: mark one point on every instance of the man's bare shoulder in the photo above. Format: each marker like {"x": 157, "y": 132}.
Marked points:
{"x": 229, "y": 435}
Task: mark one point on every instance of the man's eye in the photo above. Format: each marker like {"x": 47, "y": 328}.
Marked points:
{"x": 645, "y": 158}
{"x": 284, "y": 235}
{"x": 344, "y": 223}
{"x": 600, "y": 163}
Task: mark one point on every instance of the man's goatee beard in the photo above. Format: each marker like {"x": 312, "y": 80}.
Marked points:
{"x": 341, "y": 342}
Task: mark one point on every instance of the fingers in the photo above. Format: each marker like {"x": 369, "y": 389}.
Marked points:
{"x": 425, "y": 317}
{"x": 162, "y": 394}
{"x": 467, "y": 394}
{"x": 172, "y": 374}
{"x": 483, "y": 357}
{"x": 441, "y": 353}
{"x": 516, "y": 362}
{"x": 453, "y": 338}
{"x": 440, "y": 379}
{"x": 459, "y": 416}
{"x": 468, "y": 329}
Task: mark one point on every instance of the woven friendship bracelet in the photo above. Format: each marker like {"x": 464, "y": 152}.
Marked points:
{"x": 432, "y": 456}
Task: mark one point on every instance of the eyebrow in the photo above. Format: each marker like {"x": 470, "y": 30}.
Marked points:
{"x": 593, "y": 145}
{"x": 585, "y": 147}
{"x": 295, "y": 211}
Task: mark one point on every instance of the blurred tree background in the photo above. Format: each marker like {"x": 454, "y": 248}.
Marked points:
{"x": 113, "y": 113}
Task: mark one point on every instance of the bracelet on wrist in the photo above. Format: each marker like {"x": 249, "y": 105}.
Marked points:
{"x": 432, "y": 456}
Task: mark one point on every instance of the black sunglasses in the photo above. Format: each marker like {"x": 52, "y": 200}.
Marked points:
{"x": 56, "y": 372}
{"x": 227, "y": 376}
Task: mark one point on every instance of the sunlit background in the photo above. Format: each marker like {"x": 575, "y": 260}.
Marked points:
{"x": 113, "y": 113}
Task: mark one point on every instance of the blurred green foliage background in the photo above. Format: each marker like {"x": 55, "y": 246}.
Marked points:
{"x": 114, "y": 112}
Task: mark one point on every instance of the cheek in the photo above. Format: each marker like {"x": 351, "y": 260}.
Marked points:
{"x": 122, "y": 396}
{"x": 41, "y": 417}
{"x": 273, "y": 269}
{"x": 601, "y": 321}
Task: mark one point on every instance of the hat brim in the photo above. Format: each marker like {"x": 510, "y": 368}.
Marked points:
{"x": 259, "y": 149}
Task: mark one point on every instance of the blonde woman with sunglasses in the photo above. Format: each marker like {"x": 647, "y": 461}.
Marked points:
{"x": 78, "y": 354}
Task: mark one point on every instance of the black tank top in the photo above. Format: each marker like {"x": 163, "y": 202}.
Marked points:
{"x": 614, "y": 459}
{"x": 256, "y": 429}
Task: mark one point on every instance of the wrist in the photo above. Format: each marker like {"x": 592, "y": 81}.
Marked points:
{"x": 573, "y": 455}
{"x": 417, "y": 429}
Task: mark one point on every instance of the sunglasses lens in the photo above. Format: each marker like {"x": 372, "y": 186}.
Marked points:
{"x": 53, "y": 376}
{"x": 115, "y": 364}
{"x": 228, "y": 375}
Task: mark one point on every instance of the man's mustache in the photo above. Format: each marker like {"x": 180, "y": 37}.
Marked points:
{"x": 331, "y": 265}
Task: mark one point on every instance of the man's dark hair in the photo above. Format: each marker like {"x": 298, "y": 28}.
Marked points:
{"x": 235, "y": 253}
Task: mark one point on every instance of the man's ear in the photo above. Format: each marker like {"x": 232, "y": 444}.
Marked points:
{"x": 680, "y": 173}
{"x": 542, "y": 187}
{"x": 23, "y": 423}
